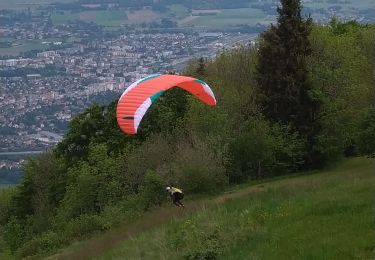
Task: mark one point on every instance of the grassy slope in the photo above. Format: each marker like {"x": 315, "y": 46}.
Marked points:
{"x": 329, "y": 215}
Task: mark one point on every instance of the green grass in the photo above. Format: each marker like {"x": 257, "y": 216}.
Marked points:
{"x": 329, "y": 215}
{"x": 22, "y": 47}
{"x": 178, "y": 11}
{"x": 58, "y": 18}
{"x": 105, "y": 18}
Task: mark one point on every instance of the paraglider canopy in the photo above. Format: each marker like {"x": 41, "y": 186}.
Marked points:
{"x": 138, "y": 97}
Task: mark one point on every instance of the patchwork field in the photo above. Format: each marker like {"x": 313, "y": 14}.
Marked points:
{"x": 142, "y": 16}
{"x": 24, "y": 4}
{"x": 108, "y": 18}
{"x": 228, "y": 17}
{"x": 105, "y": 18}
{"x": 360, "y": 4}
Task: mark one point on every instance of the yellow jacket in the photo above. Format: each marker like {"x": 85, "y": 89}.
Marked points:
{"x": 174, "y": 190}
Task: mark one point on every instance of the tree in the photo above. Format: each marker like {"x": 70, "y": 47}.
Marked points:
{"x": 366, "y": 136}
{"x": 166, "y": 115}
{"x": 201, "y": 70}
{"x": 153, "y": 191}
{"x": 282, "y": 73}
{"x": 42, "y": 187}
{"x": 97, "y": 124}
{"x": 341, "y": 71}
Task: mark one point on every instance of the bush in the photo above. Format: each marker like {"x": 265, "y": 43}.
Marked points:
{"x": 153, "y": 191}
{"x": 263, "y": 150}
{"x": 121, "y": 212}
{"x": 197, "y": 169}
{"x": 131, "y": 205}
{"x": 42, "y": 244}
{"x": 209, "y": 249}
{"x": 251, "y": 155}
{"x": 366, "y": 134}
{"x": 5, "y": 203}
{"x": 83, "y": 226}
{"x": 288, "y": 149}
{"x": 154, "y": 153}
{"x": 198, "y": 179}
{"x": 14, "y": 234}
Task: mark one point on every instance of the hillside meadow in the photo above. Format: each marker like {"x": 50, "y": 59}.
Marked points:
{"x": 317, "y": 215}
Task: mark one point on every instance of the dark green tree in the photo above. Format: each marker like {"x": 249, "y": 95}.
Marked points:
{"x": 97, "y": 124}
{"x": 42, "y": 187}
{"x": 282, "y": 74}
{"x": 166, "y": 115}
{"x": 366, "y": 134}
{"x": 201, "y": 70}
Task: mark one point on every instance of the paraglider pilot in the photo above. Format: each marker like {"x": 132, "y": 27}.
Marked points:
{"x": 176, "y": 195}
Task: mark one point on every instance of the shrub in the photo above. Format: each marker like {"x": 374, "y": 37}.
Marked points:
{"x": 14, "y": 234}
{"x": 154, "y": 153}
{"x": 5, "y": 203}
{"x": 198, "y": 179}
{"x": 288, "y": 149}
{"x": 196, "y": 167}
{"x": 209, "y": 249}
{"x": 83, "y": 226}
{"x": 153, "y": 191}
{"x": 42, "y": 244}
{"x": 251, "y": 155}
{"x": 366, "y": 134}
{"x": 131, "y": 204}
{"x": 81, "y": 193}
{"x": 264, "y": 150}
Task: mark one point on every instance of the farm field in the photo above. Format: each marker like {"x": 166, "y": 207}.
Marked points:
{"x": 229, "y": 17}
{"x": 361, "y": 4}
{"x": 217, "y": 18}
{"x": 22, "y": 47}
{"x": 142, "y": 16}
{"x": 24, "y": 4}
{"x": 105, "y": 18}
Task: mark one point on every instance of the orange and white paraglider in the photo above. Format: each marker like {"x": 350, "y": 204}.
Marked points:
{"x": 138, "y": 97}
